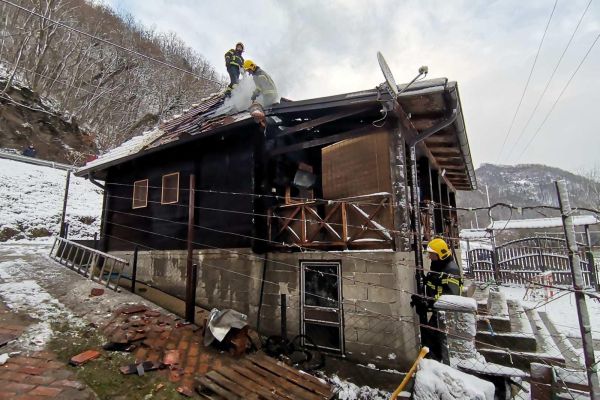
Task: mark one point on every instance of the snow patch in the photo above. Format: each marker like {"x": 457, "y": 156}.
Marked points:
{"x": 349, "y": 391}
{"x": 436, "y": 381}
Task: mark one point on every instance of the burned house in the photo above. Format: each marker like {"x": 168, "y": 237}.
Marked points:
{"x": 317, "y": 201}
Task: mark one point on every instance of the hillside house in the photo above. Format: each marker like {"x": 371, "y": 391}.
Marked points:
{"x": 315, "y": 202}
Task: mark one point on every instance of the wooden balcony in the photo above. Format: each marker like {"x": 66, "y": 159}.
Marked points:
{"x": 358, "y": 223}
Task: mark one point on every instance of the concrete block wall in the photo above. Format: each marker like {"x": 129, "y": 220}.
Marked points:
{"x": 379, "y": 323}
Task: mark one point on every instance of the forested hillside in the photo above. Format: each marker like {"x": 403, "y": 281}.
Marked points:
{"x": 112, "y": 94}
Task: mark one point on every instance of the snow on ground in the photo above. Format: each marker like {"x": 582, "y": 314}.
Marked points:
{"x": 23, "y": 295}
{"x": 31, "y": 200}
{"x": 561, "y": 311}
{"x": 436, "y": 381}
{"x": 349, "y": 391}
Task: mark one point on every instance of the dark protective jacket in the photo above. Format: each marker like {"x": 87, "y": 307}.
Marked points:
{"x": 29, "y": 152}
{"x": 234, "y": 59}
{"x": 444, "y": 278}
{"x": 264, "y": 85}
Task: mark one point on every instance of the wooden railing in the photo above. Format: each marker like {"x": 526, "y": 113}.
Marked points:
{"x": 364, "y": 222}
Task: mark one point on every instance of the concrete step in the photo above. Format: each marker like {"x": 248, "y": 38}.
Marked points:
{"x": 512, "y": 341}
{"x": 519, "y": 322}
{"x": 499, "y": 324}
{"x": 497, "y": 305}
{"x": 481, "y": 297}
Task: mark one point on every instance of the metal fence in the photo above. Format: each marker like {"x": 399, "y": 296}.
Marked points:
{"x": 523, "y": 260}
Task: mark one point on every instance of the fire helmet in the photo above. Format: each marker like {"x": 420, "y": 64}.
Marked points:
{"x": 249, "y": 65}
{"x": 439, "y": 247}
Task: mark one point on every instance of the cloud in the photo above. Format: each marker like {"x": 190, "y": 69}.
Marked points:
{"x": 313, "y": 48}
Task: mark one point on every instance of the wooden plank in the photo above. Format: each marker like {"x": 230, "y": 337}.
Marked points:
{"x": 320, "y": 121}
{"x": 230, "y": 385}
{"x": 218, "y": 389}
{"x": 305, "y": 380}
{"x": 247, "y": 383}
{"x": 294, "y": 390}
{"x": 277, "y": 391}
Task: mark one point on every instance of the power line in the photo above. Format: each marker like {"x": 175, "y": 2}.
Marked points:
{"x": 221, "y": 84}
{"x": 528, "y": 80}
{"x": 550, "y": 79}
{"x": 559, "y": 96}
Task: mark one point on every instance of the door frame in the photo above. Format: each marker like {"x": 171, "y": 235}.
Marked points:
{"x": 340, "y": 324}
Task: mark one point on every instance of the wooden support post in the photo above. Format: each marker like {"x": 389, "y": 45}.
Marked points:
{"x": 580, "y": 300}
{"x": 64, "y": 210}
{"x": 437, "y": 210}
{"x": 590, "y": 259}
{"x": 400, "y": 204}
{"x": 190, "y": 289}
{"x": 134, "y": 269}
{"x": 283, "y": 316}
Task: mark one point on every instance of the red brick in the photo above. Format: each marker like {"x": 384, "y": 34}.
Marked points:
{"x": 17, "y": 387}
{"x": 84, "y": 357}
{"x": 29, "y": 370}
{"x": 70, "y": 384}
{"x": 7, "y": 395}
{"x": 15, "y": 376}
{"x": 40, "y": 380}
{"x": 45, "y": 391}
{"x": 54, "y": 365}
{"x": 30, "y": 397}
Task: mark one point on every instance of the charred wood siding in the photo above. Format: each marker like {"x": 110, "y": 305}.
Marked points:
{"x": 224, "y": 169}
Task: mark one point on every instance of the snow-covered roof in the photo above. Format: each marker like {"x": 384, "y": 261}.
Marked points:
{"x": 538, "y": 223}
{"x": 473, "y": 234}
{"x": 132, "y": 146}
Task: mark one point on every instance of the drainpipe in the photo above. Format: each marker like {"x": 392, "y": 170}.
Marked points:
{"x": 93, "y": 181}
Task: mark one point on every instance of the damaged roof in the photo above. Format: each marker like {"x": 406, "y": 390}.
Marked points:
{"x": 426, "y": 103}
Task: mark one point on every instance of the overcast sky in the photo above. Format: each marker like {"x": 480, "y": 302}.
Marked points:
{"x": 316, "y": 48}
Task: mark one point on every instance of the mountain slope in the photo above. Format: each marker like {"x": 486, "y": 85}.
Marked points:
{"x": 525, "y": 185}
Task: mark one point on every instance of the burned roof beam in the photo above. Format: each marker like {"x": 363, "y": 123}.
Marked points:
{"x": 365, "y": 130}
{"x": 308, "y": 125}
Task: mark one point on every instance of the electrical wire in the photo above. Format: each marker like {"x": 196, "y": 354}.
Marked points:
{"x": 537, "y": 131}
{"x": 550, "y": 78}
{"x": 528, "y": 80}
{"x": 163, "y": 63}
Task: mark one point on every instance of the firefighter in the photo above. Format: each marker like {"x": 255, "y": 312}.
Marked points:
{"x": 233, "y": 63}
{"x": 443, "y": 278}
{"x": 266, "y": 91}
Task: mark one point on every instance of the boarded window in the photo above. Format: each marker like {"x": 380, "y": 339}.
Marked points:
{"x": 170, "y": 188}
{"x": 140, "y": 194}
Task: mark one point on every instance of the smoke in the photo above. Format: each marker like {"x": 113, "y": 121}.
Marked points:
{"x": 240, "y": 97}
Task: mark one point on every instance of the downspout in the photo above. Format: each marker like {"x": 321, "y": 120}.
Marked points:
{"x": 416, "y": 200}
{"x": 93, "y": 181}
{"x": 262, "y": 291}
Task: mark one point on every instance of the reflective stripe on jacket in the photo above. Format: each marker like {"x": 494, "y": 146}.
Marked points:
{"x": 444, "y": 278}
{"x": 264, "y": 83}
{"x": 233, "y": 58}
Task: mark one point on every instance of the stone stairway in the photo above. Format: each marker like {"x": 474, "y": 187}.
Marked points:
{"x": 511, "y": 335}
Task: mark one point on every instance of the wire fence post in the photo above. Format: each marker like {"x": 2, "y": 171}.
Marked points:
{"x": 134, "y": 269}
{"x": 283, "y": 316}
{"x": 190, "y": 289}
{"x": 590, "y": 259}
{"x": 580, "y": 301}
{"x": 64, "y": 210}
{"x": 495, "y": 260}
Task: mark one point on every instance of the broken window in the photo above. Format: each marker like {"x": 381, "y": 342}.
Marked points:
{"x": 170, "y": 188}
{"x": 140, "y": 194}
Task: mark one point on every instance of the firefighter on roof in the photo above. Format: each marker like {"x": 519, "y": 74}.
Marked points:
{"x": 234, "y": 62}
{"x": 443, "y": 278}
{"x": 266, "y": 91}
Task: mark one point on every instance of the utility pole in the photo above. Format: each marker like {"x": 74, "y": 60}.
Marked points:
{"x": 64, "y": 210}
{"x": 582, "y": 311}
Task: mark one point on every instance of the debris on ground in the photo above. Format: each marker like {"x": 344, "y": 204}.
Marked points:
{"x": 4, "y": 358}
{"x": 6, "y": 338}
{"x": 96, "y": 292}
{"x": 84, "y": 357}
{"x": 220, "y": 323}
{"x": 185, "y": 391}
{"x": 140, "y": 368}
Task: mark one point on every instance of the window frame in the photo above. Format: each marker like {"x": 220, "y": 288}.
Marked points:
{"x": 133, "y": 197}
{"x": 162, "y": 190}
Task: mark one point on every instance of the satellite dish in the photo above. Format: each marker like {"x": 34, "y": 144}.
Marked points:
{"x": 387, "y": 73}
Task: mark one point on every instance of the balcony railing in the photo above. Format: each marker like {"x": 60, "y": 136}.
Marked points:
{"x": 357, "y": 223}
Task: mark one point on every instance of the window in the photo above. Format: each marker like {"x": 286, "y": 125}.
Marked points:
{"x": 170, "y": 189}
{"x": 140, "y": 194}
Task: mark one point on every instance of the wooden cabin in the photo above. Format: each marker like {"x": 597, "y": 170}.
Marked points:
{"x": 316, "y": 201}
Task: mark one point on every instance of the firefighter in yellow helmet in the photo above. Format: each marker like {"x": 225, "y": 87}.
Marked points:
{"x": 442, "y": 278}
{"x": 234, "y": 62}
{"x": 266, "y": 91}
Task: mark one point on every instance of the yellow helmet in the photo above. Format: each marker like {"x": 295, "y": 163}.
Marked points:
{"x": 439, "y": 247}
{"x": 249, "y": 65}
